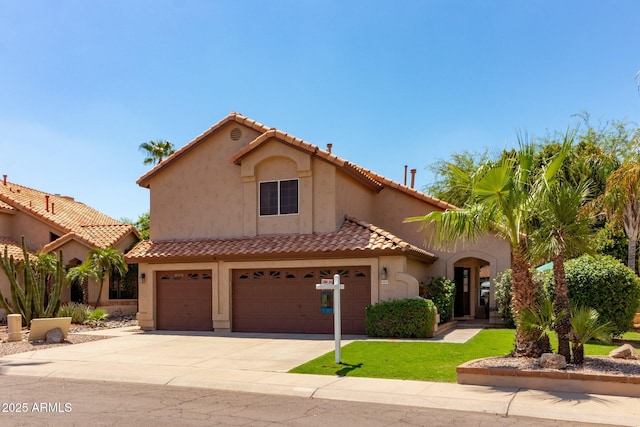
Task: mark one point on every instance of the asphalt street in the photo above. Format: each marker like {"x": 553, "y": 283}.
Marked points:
{"x": 38, "y": 401}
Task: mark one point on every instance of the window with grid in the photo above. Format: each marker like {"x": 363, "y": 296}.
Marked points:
{"x": 279, "y": 197}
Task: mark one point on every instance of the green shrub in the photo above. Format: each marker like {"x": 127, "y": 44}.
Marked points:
{"x": 79, "y": 313}
{"x": 97, "y": 317}
{"x": 406, "y": 318}
{"x": 606, "y": 285}
{"x": 442, "y": 292}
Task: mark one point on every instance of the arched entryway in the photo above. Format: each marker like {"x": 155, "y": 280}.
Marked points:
{"x": 472, "y": 277}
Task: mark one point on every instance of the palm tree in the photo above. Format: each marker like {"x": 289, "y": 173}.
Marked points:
{"x": 586, "y": 325}
{"x": 622, "y": 204}
{"x": 562, "y": 230}
{"x": 501, "y": 202}
{"x": 100, "y": 263}
{"x": 156, "y": 151}
{"x": 79, "y": 276}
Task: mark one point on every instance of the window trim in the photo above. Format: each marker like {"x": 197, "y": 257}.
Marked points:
{"x": 279, "y": 181}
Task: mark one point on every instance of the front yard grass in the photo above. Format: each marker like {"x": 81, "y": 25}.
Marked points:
{"x": 423, "y": 361}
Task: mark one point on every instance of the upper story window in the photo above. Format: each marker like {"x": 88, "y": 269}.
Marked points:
{"x": 279, "y": 197}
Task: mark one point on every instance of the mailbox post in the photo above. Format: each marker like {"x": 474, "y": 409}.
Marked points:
{"x": 336, "y": 286}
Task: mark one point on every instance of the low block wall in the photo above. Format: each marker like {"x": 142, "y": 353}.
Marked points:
{"x": 617, "y": 385}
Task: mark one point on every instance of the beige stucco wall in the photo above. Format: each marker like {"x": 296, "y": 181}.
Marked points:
{"x": 201, "y": 193}
{"x": 352, "y": 199}
{"x": 6, "y": 220}
{"x": 36, "y": 233}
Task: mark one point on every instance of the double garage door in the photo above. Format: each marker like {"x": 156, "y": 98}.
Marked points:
{"x": 264, "y": 300}
{"x": 286, "y": 300}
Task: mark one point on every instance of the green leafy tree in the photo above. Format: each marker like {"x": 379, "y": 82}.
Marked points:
{"x": 453, "y": 183}
{"x": 143, "y": 225}
{"x": 622, "y": 204}
{"x": 501, "y": 202}
{"x": 80, "y": 276}
{"x": 156, "y": 151}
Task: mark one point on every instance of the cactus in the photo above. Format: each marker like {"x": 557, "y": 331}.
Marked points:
{"x": 32, "y": 299}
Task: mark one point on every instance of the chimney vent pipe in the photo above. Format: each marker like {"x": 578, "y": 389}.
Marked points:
{"x": 4, "y": 179}
{"x": 53, "y": 210}
{"x": 46, "y": 199}
{"x": 413, "y": 177}
{"x": 405, "y": 175}
{"x": 329, "y": 147}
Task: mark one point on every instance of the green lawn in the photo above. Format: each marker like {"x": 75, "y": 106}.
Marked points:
{"x": 426, "y": 361}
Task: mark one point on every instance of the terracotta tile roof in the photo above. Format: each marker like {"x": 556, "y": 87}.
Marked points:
{"x": 6, "y": 207}
{"x": 369, "y": 178}
{"x": 354, "y": 238}
{"x": 13, "y": 248}
{"x": 143, "y": 181}
{"x": 348, "y": 167}
{"x": 65, "y": 214}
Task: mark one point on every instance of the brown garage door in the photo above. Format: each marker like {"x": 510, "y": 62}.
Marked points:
{"x": 183, "y": 301}
{"x": 286, "y": 300}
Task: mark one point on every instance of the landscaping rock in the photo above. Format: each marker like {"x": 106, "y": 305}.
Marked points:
{"x": 625, "y": 351}
{"x": 54, "y": 336}
{"x": 552, "y": 361}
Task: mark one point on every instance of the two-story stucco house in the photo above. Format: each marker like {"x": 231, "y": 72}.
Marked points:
{"x": 246, "y": 219}
{"x": 54, "y": 223}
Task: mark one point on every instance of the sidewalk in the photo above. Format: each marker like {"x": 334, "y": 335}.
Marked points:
{"x": 259, "y": 363}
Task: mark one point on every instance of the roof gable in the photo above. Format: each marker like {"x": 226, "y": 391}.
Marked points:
{"x": 143, "y": 181}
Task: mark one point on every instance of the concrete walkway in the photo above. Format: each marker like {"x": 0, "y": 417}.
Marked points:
{"x": 259, "y": 363}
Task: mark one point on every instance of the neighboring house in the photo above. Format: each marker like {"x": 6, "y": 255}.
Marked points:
{"x": 247, "y": 219}
{"x": 54, "y": 223}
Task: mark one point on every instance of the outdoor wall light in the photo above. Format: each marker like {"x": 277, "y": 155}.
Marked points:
{"x": 383, "y": 273}
{"x": 142, "y": 277}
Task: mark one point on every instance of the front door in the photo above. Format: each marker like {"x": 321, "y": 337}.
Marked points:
{"x": 462, "y": 277}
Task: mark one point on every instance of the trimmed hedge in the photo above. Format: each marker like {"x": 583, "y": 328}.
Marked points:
{"x": 406, "y": 318}
{"x": 607, "y": 285}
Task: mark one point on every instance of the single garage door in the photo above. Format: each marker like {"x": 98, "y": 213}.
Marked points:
{"x": 286, "y": 300}
{"x": 183, "y": 301}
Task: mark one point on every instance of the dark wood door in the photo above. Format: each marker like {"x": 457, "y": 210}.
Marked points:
{"x": 462, "y": 278}
{"x": 286, "y": 300}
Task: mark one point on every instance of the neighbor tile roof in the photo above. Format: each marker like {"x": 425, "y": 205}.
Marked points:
{"x": 370, "y": 179}
{"x": 13, "y": 248}
{"x": 355, "y": 238}
{"x": 74, "y": 219}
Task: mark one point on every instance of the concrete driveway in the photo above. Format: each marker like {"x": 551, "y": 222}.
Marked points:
{"x": 198, "y": 359}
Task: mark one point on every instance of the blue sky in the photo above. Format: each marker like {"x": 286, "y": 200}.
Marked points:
{"x": 388, "y": 83}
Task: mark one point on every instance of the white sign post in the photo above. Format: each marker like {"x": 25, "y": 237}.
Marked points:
{"x": 336, "y": 286}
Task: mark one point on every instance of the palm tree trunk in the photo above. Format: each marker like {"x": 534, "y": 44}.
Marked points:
{"x": 562, "y": 308}
{"x": 523, "y": 295}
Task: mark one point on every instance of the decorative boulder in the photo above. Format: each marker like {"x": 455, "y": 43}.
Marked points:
{"x": 552, "y": 361}
{"x": 625, "y": 351}
{"x": 54, "y": 336}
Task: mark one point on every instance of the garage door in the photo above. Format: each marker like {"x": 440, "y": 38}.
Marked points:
{"x": 183, "y": 301}
{"x": 286, "y": 300}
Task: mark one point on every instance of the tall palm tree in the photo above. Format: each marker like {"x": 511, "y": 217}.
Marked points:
{"x": 502, "y": 201}
{"x": 156, "y": 151}
{"x": 622, "y": 204}
{"x": 562, "y": 229}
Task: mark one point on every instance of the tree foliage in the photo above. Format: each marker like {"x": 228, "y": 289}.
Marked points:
{"x": 156, "y": 151}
